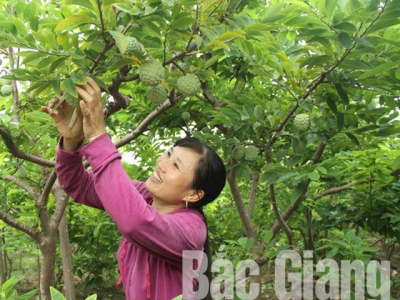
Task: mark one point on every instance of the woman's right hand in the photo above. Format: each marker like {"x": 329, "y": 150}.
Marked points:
{"x": 62, "y": 116}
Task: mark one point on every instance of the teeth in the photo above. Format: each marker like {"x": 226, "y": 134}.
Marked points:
{"x": 157, "y": 177}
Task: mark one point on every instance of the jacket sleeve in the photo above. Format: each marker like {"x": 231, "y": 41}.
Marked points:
{"x": 108, "y": 186}
{"x": 74, "y": 179}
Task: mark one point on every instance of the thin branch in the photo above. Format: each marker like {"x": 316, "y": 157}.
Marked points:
{"x": 32, "y": 232}
{"x": 338, "y": 189}
{"x": 13, "y": 149}
{"x": 248, "y": 226}
{"x": 33, "y": 193}
{"x": 255, "y": 178}
{"x": 142, "y": 127}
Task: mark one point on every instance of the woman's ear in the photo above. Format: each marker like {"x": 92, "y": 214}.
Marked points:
{"x": 194, "y": 196}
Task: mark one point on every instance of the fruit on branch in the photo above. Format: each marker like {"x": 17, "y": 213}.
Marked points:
{"x": 186, "y": 115}
{"x": 132, "y": 47}
{"x": 302, "y": 122}
{"x": 6, "y": 90}
{"x": 189, "y": 84}
{"x": 251, "y": 153}
{"x": 238, "y": 152}
{"x": 152, "y": 72}
{"x": 22, "y": 172}
{"x": 157, "y": 94}
{"x": 4, "y": 81}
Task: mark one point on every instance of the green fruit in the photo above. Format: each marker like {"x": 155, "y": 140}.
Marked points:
{"x": 157, "y": 94}
{"x": 189, "y": 84}
{"x": 4, "y": 82}
{"x": 251, "y": 153}
{"x": 238, "y": 152}
{"x": 186, "y": 115}
{"x": 132, "y": 47}
{"x": 302, "y": 122}
{"x": 151, "y": 72}
{"x": 22, "y": 172}
{"x": 6, "y": 90}
{"x": 72, "y": 101}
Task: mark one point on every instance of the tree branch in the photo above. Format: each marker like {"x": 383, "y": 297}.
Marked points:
{"x": 8, "y": 219}
{"x": 142, "y": 127}
{"x": 13, "y": 149}
{"x": 33, "y": 193}
{"x": 248, "y": 226}
{"x": 338, "y": 189}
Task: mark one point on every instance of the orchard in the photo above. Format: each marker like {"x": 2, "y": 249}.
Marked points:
{"x": 299, "y": 97}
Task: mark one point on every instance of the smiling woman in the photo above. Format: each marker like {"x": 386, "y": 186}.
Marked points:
{"x": 158, "y": 219}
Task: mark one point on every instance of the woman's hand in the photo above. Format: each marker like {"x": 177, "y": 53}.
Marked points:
{"x": 92, "y": 110}
{"x": 62, "y": 116}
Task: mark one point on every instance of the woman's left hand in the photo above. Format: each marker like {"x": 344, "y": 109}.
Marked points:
{"x": 92, "y": 110}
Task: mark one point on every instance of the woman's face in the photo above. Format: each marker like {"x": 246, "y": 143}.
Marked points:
{"x": 170, "y": 183}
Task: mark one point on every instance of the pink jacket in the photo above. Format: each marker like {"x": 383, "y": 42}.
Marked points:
{"x": 150, "y": 252}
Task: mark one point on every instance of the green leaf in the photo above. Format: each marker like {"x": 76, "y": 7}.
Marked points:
{"x": 396, "y": 163}
{"x": 38, "y": 116}
{"x": 56, "y": 295}
{"x": 345, "y": 40}
{"x": 27, "y": 295}
{"x": 181, "y": 23}
{"x": 340, "y": 120}
{"x": 83, "y": 3}
{"x": 342, "y": 93}
{"x": 79, "y": 79}
{"x": 230, "y": 35}
{"x": 379, "y": 69}
{"x": 92, "y": 297}
{"x": 74, "y": 21}
{"x": 70, "y": 88}
{"x": 9, "y": 285}
{"x": 299, "y": 190}
{"x": 268, "y": 236}
{"x": 332, "y": 105}
{"x": 314, "y": 176}
{"x": 120, "y": 40}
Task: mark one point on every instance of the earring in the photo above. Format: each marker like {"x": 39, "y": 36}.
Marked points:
{"x": 186, "y": 204}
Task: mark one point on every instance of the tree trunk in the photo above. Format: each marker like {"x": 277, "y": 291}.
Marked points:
{"x": 48, "y": 252}
{"x": 66, "y": 252}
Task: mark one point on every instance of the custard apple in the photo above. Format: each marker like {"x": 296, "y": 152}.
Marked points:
{"x": 4, "y": 81}
{"x": 72, "y": 101}
{"x": 22, "y": 172}
{"x": 186, "y": 115}
{"x": 251, "y": 153}
{"x": 6, "y": 90}
{"x": 132, "y": 47}
{"x": 189, "y": 84}
{"x": 157, "y": 94}
{"x": 302, "y": 122}
{"x": 151, "y": 72}
{"x": 238, "y": 152}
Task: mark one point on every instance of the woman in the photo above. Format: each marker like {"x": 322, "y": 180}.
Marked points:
{"x": 159, "y": 218}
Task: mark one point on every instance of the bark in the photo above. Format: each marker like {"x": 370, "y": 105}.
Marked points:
{"x": 66, "y": 253}
{"x": 48, "y": 252}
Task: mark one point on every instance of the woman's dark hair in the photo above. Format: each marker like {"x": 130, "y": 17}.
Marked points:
{"x": 210, "y": 177}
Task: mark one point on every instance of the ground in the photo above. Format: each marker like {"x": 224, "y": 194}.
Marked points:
{"x": 109, "y": 292}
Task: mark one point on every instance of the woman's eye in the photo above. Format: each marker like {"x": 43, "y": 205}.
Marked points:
{"x": 168, "y": 154}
